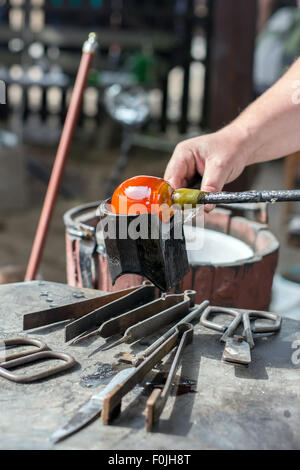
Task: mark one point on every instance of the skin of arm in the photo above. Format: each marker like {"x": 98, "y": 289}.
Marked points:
{"x": 267, "y": 129}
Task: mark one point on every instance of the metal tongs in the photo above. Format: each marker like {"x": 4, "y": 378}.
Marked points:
{"x": 178, "y": 335}
{"x": 108, "y": 401}
{"x": 182, "y": 336}
{"x": 92, "y": 408}
{"x": 168, "y": 305}
{"x": 149, "y": 318}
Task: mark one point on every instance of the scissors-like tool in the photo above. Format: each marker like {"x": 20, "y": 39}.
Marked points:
{"x": 25, "y": 357}
{"x": 237, "y": 347}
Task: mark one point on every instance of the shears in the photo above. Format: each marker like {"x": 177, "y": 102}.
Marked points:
{"x": 237, "y": 347}
{"x": 8, "y": 362}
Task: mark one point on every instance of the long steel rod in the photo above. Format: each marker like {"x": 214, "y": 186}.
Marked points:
{"x": 250, "y": 196}
{"x": 88, "y": 51}
{"x": 197, "y": 311}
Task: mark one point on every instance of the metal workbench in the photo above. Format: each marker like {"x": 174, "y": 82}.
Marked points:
{"x": 235, "y": 407}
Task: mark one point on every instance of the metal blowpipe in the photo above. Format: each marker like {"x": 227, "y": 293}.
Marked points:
{"x": 194, "y": 196}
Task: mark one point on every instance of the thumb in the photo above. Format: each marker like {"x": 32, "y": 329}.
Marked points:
{"x": 214, "y": 177}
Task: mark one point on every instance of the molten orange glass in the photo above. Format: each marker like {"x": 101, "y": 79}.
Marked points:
{"x": 142, "y": 194}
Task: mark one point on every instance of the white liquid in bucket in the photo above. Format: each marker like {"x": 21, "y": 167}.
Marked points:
{"x": 205, "y": 246}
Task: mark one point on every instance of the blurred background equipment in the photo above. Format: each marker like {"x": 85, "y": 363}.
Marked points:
{"x": 130, "y": 107}
{"x": 148, "y": 41}
{"x": 13, "y": 184}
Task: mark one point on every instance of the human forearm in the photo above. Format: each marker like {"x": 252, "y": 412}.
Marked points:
{"x": 270, "y": 126}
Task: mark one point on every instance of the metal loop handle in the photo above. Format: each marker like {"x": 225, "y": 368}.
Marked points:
{"x": 212, "y": 324}
{"x": 265, "y": 327}
{"x": 67, "y": 358}
{"x": 23, "y": 342}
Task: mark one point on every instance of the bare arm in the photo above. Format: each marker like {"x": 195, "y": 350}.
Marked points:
{"x": 272, "y": 122}
{"x": 268, "y": 129}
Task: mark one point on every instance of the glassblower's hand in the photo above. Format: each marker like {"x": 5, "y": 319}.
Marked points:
{"x": 219, "y": 157}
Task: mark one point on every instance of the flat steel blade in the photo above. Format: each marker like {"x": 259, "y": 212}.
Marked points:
{"x": 75, "y": 309}
{"x": 90, "y": 410}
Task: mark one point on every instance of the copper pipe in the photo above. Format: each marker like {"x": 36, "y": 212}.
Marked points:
{"x": 88, "y": 51}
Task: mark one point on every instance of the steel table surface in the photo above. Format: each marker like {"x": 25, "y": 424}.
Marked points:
{"x": 235, "y": 407}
